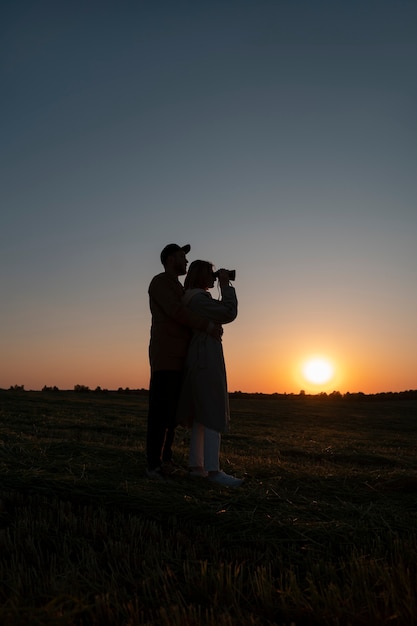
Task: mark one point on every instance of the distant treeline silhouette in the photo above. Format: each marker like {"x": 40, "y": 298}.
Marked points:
{"x": 410, "y": 394}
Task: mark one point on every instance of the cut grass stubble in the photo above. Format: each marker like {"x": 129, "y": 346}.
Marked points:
{"x": 322, "y": 532}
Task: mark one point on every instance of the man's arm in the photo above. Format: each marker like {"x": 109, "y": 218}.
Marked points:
{"x": 169, "y": 300}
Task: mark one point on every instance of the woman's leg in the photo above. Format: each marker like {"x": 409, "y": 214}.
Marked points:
{"x": 212, "y": 440}
{"x": 196, "y": 456}
{"x": 211, "y": 460}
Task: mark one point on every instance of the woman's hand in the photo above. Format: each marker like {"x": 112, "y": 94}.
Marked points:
{"x": 223, "y": 277}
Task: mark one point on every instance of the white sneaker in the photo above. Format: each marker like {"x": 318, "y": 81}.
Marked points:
{"x": 197, "y": 472}
{"x": 225, "y": 479}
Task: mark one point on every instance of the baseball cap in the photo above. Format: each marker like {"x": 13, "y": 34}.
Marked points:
{"x": 171, "y": 248}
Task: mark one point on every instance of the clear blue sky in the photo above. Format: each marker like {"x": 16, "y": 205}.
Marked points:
{"x": 276, "y": 137}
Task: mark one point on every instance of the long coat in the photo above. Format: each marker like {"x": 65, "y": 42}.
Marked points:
{"x": 204, "y": 396}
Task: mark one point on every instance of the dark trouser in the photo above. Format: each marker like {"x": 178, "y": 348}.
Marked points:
{"x": 164, "y": 393}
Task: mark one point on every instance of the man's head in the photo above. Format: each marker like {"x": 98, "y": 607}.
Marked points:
{"x": 174, "y": 260}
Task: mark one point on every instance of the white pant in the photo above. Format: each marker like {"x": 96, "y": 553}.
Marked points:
{"x": 204, "y": 448}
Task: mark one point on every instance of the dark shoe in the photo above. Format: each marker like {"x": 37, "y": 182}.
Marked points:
{"x": 155, "y": 474}
{"x": 169, "y": 467}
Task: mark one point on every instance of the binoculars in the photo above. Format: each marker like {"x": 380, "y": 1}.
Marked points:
{"x": 232, "y": 274}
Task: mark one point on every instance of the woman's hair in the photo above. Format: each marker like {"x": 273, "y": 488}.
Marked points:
{"x": 197, "y": 275}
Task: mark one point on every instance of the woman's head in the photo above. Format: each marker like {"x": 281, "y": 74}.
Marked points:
{"x": 199, "y": 275}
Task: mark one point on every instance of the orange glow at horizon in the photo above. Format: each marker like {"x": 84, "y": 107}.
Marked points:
{"x": 257, "y": 365}
{"x": 311, "y": 372}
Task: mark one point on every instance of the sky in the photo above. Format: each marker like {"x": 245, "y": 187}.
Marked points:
{"x": 276, "y": 137}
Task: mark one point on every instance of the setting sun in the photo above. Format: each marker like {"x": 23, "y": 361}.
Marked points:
{"x": 318, "y": 370}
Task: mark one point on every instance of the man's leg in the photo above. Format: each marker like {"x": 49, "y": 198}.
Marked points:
{"x": 156, "y": 421}
{"x": 164, "y": 392}
{"x": 173, "y": 391}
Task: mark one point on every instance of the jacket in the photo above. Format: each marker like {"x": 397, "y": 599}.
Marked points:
{"x": 172, "y": 324}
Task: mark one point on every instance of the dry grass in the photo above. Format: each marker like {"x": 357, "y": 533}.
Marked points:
{"x": 322, "y": 532}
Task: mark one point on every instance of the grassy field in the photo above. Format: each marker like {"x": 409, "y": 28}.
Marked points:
{"x": 324, "y": 530}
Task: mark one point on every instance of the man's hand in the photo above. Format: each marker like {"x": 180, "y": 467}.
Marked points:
{"x": 216, "y": 331}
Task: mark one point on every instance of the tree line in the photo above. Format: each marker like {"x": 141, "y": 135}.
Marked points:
{"x": 410, "y": 394}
